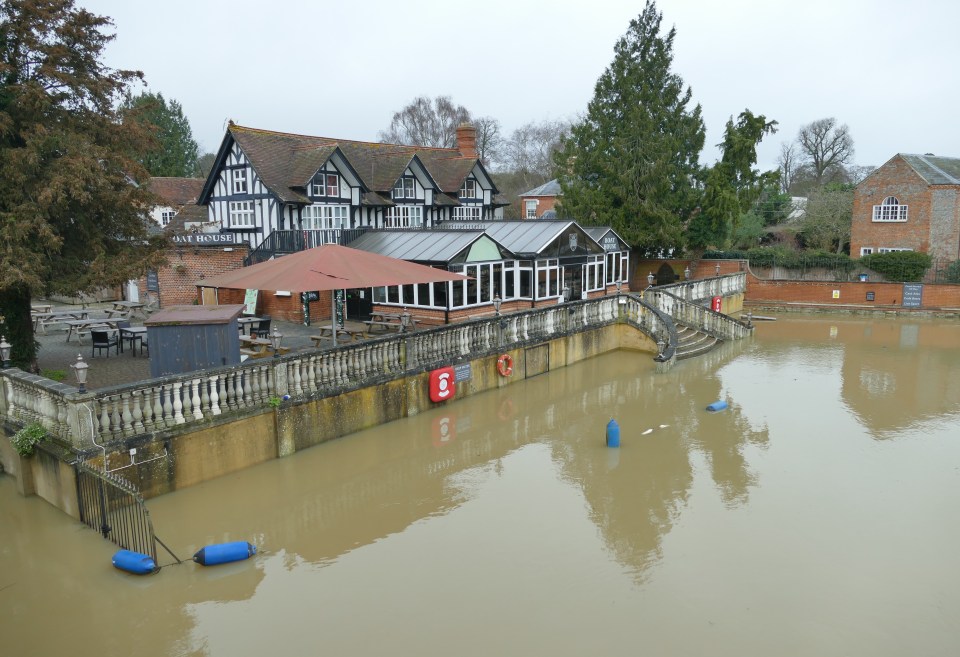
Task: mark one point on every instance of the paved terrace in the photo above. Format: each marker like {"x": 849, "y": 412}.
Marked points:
{"x": 55, "y": 353}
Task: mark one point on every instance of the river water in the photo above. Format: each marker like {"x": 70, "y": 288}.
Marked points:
{"x": 817, "y": 515}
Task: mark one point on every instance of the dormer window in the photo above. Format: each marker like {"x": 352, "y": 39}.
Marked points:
{"x": 890, "y": 210}
{"x": 469, "y": 188}
{"x": 327, "y": 184}
{"x": 239, "y": 181}
{"x": 405, "y": 188}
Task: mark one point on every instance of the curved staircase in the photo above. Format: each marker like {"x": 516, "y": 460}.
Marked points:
{"x": 693, "y": 342}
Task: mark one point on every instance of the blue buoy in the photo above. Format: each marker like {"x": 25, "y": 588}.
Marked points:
{"x": 717, "y": 406}
{"x": 613, "y": 433}
{"x": 134, "y": 562}
{"x": 212, "y": 555}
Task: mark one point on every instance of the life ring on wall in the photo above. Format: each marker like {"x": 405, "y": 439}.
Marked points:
{"x": 505, "y": 365}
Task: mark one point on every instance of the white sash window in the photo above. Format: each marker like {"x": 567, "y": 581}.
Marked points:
{"x": 323, "y": 217}
{"x": 404, "y": 216}
{"x": 241, "y": 214}
{"x": 467, "y": 213}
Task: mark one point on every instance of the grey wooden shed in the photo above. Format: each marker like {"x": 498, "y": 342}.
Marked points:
{"x": 190, "y": 338}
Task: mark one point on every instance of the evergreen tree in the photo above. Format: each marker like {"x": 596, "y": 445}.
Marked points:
{"x": 71, "y": 216}
{"x": 632, "y": 161}
{"x": 175, "y": 153}
{"x": 733, "y": 185}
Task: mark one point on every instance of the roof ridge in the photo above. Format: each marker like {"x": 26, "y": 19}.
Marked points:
{"x": 337, "y": 140}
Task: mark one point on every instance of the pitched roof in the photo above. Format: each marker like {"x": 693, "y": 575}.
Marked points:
{"x": 549, "y": 188}
{"x": 285, "y": 162}
{"x": 935, "y": 170}
{"x": 176, "y": 191}
{"x": 417, "y": 245}
{"x": 189, "y": 213}
{"x": 522, "y": 237}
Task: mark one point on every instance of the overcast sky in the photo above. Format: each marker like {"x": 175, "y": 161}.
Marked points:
{"x": 886, "y": 68}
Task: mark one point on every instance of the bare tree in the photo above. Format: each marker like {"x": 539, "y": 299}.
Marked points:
{"x": 787, "y": 165}
{"x": 825, "y": 146}
{"x": 530, "y": 148}
{"x": 489, "y": 140}
{"x": 828, "y": 219}
{"x": 426, "y": 122}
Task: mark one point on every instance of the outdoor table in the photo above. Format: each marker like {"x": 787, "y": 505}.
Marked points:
{"x": 382, "y": 326}
{"x": 246, "y": 323}
{"x": 81, "y": 327}
{"x": 43, "y": 320}
{"x": 326, "y": 333}
{"x": 258, "y": 347}
{"x": 127, "y": 307}
{"x": 134, "y": 334}
{"x": 41, "y": 307}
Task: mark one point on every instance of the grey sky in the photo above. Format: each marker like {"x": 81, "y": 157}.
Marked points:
{"x": 340, "y": 69}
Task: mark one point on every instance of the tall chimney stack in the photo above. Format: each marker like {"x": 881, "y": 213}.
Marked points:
{"x": 467, "y": 140}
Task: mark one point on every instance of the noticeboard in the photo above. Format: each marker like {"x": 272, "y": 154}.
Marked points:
{"x": 462, "y": 372}
{"x": 153, "y": 281}
{"x": 250, "y": 301}
{"x": 912, "y": 295}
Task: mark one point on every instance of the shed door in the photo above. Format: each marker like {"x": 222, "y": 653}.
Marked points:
{"x": 208, "y": 296}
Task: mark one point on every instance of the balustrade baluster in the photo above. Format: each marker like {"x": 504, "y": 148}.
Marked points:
{"x": 224, "y": 399}
{"x": 148, "y": 409}
{"x": 187, "y": 400}
{"x": 116, "y": 419}
{"x": 205, "y": 394}
{"x": 195, "y": 388}
{"x": 238, "y": 389}
{"x": 177, "y": 403}
{"x": 214, "y": 395}
{"x": 137, "y": 411}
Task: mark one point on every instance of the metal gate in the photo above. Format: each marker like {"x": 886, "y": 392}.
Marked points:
{"x": 113, "y": 506}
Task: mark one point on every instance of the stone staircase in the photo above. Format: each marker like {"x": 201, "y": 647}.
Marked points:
{"x": 693, "y": 342}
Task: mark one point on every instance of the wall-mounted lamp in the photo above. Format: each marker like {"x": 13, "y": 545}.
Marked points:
{"x": 650, "y": 279}
{"x": 80, "y": 371}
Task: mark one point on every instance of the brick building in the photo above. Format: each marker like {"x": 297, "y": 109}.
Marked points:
{"x": 540, "y": 200}
{"x": 911, "y": 203}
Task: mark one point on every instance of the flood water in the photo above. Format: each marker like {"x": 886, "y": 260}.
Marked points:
{"x": 817, "y": 515}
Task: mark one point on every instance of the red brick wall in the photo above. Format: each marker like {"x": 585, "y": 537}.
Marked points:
{"x": 189, "y": 265}
{"x": 886, "y": 295}
{"x": 930, "y": 227}
{"x": 546, "y": 203}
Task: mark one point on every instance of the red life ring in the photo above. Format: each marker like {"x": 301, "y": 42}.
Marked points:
{"x": 505, "y": 365}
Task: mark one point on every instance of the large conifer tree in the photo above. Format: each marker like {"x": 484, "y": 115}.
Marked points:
{"x": 176, "y": 153}
{"x": 71, "y": 215}
{"x": 631, "y": 163}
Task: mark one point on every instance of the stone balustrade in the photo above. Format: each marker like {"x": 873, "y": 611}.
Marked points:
{"x": 104, "y": 415}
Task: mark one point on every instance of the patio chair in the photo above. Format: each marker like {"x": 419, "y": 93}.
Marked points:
{"x": 263, "y": 328}
{"x": 103, "y": 340}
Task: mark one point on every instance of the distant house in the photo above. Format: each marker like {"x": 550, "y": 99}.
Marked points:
{"x": 175, "y": 193}
{"x": 537, "y": 202}
{"x": 911, "y": 203}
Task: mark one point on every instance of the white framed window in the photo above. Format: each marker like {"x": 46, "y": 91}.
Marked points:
{"x": 890, "y": 210}
{"x": 866, "y": 250}
{"x": 468, "y": 189}
{"x": 239, "y": 181}
{"x": 167, "y": 216}
{"x": 325, "y": 217}
{"x": 892, "y": 249}
{"x": 531, "y": 209}
{"x": 405, "y": 188}
{"x": 241, "y": 214}
{"x": 467, "y": 213}
{"x": 404, "y": 216}
{"x": 326, "y": 184}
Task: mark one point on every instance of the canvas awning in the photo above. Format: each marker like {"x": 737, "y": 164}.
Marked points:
{"x": 329, "y": 267}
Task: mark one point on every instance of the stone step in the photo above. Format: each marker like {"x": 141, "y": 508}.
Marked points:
{"x": 693, "y": 343}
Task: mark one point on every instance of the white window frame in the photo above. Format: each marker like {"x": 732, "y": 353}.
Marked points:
{"x": 332, "y": 190}
{"x": 242, "y": 214}
{"x": 239, "y": 181}
{"x": 530, "y": 209}
{"x": 892, "y": 249}
{"x": 404, "y": 216}
{"x": 891, "y": 210}
{"x": 469, "y": 188}
{"x": 166, "y": 216}
{"x": 325, "y": 217}
{"x": 866, "y": 250}
{"x": 405, "y": 187}
{"x": 467, "y": 213}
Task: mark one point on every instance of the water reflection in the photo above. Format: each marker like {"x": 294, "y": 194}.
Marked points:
{"x": 502, "y": 524}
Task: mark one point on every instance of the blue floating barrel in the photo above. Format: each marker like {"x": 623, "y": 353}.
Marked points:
{"x": 717, "y": 406}
{"x": 212, "y": 555}
{"x": 134, "y": 562}
{"x": 613, "y": 434}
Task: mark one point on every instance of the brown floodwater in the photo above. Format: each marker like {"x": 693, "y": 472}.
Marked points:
{"x": 817, "y": 515}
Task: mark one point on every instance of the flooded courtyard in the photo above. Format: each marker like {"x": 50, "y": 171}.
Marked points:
{"x": 815, "y": 516}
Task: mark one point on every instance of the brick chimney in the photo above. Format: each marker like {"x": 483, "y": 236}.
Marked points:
{"x": 467, "y": 140}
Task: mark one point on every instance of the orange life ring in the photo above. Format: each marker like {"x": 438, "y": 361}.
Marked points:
{"x": 505, "y": 365}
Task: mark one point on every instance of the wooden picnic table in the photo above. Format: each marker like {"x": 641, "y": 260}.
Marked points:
{"x": 43, "y": 320}
{"x": 81, "y": 327}
{"x": 41, "y": 307}
{"x": 258, "y": 347}
{"x": 326, "y": 333}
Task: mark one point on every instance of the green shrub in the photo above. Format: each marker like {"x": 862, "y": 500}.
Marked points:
{"x": 27, "y": 438}
{"x": 909, "y": 266}
{"x": 952, "y": 273}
